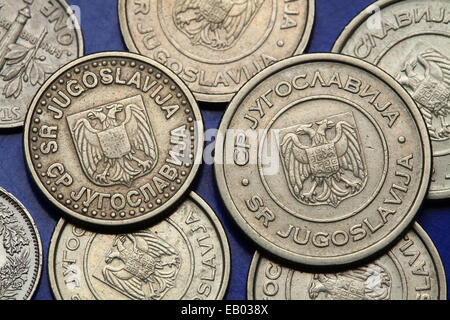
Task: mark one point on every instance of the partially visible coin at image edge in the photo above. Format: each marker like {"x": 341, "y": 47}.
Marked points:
{"x": 216, "y": 46}
{"x": 186, "y": 256}
{"x": 20, "y": 250}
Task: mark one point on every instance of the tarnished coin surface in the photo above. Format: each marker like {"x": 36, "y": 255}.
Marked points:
{"x": 216, "y": 46}
{"x": 20, "y": 250}
{"x": 411, "y": 270}
{"x": 185, "y": 256}
{"x": 37, "y": 37}
{"x": 323, "y": 159}
{"x": 410, "y": 39}
{"x": 114, "y": 138}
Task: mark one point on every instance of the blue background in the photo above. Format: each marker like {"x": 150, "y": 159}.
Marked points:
{"x": 100, "y": 25}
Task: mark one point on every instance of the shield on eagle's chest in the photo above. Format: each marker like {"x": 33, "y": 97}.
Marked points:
{"x": 323, "y": 160}
{"x": 114, "y": 142}
{"x": 215, "y": 10}
{"x": 431, "y": 94}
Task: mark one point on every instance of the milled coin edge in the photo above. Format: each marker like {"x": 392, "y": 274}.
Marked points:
{"x": 279, "y": 67}
{"x": 208, "y": 97}
{"x": 196, "y": 161}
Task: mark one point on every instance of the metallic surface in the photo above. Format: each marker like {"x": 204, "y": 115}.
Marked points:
{"x": 322, "y": 159}
{"x": 113, "y": 139}
{"x": 411, "y": 270}
{"x": 37, "y": 37}
{"x": 20, "y": 250}
{"x": 216, "y": 46}
{"x": 185, "y": 256}
{"x": 410, "y": 39}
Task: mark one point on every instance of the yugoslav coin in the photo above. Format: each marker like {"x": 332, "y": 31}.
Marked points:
{"x": 410, "y": 40}
{"x": 114, "y": 138}
{"x": 216, "y": 46}
{"x": 37, "y": 37}
{"x": 323, "y": 159}
{"x": 20, "y": 250}
{"x": 411, "y": 270}
{"x": 185, "y": 256}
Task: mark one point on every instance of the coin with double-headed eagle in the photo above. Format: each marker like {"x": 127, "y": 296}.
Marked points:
{"x": 183, "y": 257}
{"x": 410, "y": 40}
{"x": 20, "y": 250}
{"x": 323, "y": 159}
{"x": 37, "y": 37}
{"x": 216, "y": 46}
{"x": 114, "y": 139}
{"x": 411, "y": 270}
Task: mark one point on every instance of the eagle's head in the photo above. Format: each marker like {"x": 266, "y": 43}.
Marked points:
{"x": 323, "y": 125}
{"x": 97, "y": 114}
{"x": 305, "y": 129}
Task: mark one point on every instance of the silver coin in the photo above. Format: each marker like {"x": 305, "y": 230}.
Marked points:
{"x": 114, "y": 139}
{"x": 185, "y": 256}
{"x": 410, "y": 39}
{"x": 20, "y": 250}
{"x": 37, "y": 37}
{"x": 411, "y": 270}
{"x": 323, "y": 159}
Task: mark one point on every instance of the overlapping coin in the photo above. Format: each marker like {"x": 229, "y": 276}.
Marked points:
{"x": 113, "y": 139}
{"x": 185, "y": 256}
{"x": 410, "y": 39}
{"x": 37, "y": 37}
{"x": 216, "y": 46}
{"x": 411, "y": 270}
{"x": 323, "y": 159}
{"x": 20, "y": 250}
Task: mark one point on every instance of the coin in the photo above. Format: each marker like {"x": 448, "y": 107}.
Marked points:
{"x": 216, "y": 46}
{"x": 20, "y": 250}
{"x": 411, "y": 270}
{"x": 322, "y": 159}
{"x": 410, "y": 40}
{"x": 37, "y": 38}
{"x": 113, "y": 139}
{"x": 185, "y": 256}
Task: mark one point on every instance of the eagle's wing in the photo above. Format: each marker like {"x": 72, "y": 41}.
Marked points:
{"x": 348, "y": 149}
{"x": 155, "y": 246}
{"x": 239, "y": 16}
{"x": 139, "y": 131}
{"x": 125, "y": 281}
{"x": 88, "y": 145}
{"x": 296, "y": 161}
{"x": 438, "y": 65}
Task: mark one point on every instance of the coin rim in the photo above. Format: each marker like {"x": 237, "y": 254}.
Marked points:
{"x": 423, "y": 235}
{"x": 80, "y": 39}
{"x": 298, "y": 258}
{"x": 343, "y": 38}
{"x": 209, "y": 97}
{"x": 197, "y": 161}
{"x": 31, "y": 291}
{"x": 193, "y": 197}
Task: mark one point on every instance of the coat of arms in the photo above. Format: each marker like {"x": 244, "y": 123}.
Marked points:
{"x": 426, "y": 75}
{"x": 323, "y": 161}
{"x": 371, "y": 282}
{"x": 141, "y": 266}
{"x": 216, "y": 24}
{"x": 115, "y": 142}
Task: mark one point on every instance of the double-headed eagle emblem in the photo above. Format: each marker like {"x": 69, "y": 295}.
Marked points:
{"x": 321, "y": 169}
{"x": 141, "y": 265}
{"x": 115, "y": 142}
{"x": 216, "y": 24}
{"x": 371, "y": 282}
{"x": 427, "y": 77}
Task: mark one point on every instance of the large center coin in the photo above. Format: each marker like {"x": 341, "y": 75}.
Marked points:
{"x": 216, "y": 46}
{"x": 323, "y": 159}
{"x": 113, "y": 139}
